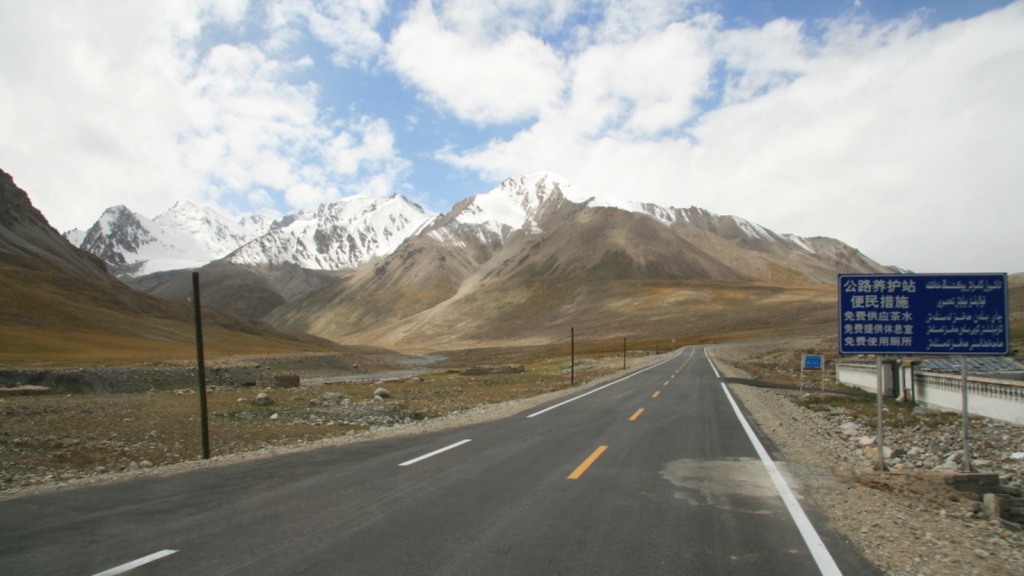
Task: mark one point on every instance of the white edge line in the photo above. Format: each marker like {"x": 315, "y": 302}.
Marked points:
{"x": 575, "y": 398}
{"x": 717, "y": 375}
{"x": 434, "y": 453}
{"x": 826, "y": 564}
{"x": 136, "y": 563}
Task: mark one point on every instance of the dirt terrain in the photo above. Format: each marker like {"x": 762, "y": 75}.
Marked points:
{"x": 906, "y": 521}
{"x": 55, "y": 439}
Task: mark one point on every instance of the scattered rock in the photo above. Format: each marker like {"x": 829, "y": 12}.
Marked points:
{"x": 274, "y": 416}
{"x": 26, "y": 391}
{"x": 381, "y": 393}
{"x": 263, "y": 399}
{"x": 332, "y": 396}
{"x": 871, "y": 453}
{"x": 242, "y": 401}
{"x": 145, "y": 464}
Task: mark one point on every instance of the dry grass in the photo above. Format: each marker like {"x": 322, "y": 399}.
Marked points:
{"x": 50, "y": 438}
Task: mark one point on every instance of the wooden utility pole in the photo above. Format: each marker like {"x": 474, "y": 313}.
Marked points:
{"x": 572, "y": 355}
{"x": 201, "y": 364}
{"x": 623, "y": 352}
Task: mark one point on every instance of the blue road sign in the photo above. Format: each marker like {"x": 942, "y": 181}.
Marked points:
{"x": 813, "y": 362}
{"x": 904, "y": 314}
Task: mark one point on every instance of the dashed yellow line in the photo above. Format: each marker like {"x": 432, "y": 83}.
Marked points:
{"x": 655, "y": 395}
{"x": 636, "y": 414}
{"x": 586, "y": 463}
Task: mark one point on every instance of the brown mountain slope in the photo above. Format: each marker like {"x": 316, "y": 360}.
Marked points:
{"x": 59, "y": 306}
{"x": 604, "y": 269}
{"x": 246, "y": 291}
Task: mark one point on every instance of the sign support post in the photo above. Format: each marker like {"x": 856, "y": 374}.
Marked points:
{"x": 965, "y": 465}
{"x": 879, "y": 465}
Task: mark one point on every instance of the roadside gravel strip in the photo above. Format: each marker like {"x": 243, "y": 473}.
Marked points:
{"x": 906, "y": 523}
{"x": 480, "y": 413}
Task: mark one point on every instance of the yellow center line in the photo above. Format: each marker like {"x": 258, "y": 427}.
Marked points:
{"x": 655, "y": 395}
{"x": 666, "y": 383}
{"x": 586, "y": 463}
{"x": 636, "y": 415}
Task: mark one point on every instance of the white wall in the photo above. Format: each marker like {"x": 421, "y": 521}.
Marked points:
{"x": 989, "y": 397}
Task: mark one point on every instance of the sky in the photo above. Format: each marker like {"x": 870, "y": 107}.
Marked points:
{"x": 896, "y": 126}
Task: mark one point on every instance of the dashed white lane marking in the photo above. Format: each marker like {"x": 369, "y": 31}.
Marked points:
{"x": 821, "y": 555}
{"x": 598, "y": 389}
{"x": 434, "y": 453}
{"x": 136, "y": 563}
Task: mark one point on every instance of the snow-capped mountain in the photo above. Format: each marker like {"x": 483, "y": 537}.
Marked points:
{"x": 343, "y": 234}
{"x": 520, "y": 203}
{"x": 185, "y": 236}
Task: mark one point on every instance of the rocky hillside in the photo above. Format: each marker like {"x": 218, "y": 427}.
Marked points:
{"x": 59, "y": 305}
{"x": 537, "y": 255}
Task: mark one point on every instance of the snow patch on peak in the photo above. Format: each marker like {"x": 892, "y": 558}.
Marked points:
{"x": 753, "y": 230}
{"x": 801, "y": 242}
{"x": 343, "y": 234}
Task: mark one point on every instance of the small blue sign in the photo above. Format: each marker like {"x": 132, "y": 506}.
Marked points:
{"x": 941, "y": 314}
{"x": 812, "y": 362}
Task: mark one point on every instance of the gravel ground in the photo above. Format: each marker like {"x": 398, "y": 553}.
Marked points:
{"x": 453, "y": 419}
{"x": 907, "y": 521}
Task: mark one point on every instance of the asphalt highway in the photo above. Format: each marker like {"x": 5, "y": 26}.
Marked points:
{"x": 652, "y": 474}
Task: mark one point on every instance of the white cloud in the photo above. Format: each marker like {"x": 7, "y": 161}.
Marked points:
{"x": 348, "y": 26}
{"x": 900, "y": 140}
{"x": 113, "y": 103}
{"x": 478, "y": 78}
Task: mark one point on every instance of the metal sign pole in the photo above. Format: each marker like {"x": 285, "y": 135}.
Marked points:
{"x": 966, "y": 464}
{"x": 880, "y": 464}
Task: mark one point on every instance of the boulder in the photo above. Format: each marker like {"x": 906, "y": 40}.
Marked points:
{"x": 871, "y": 453}
{"x": 263, "y": 399}
{"x": 381, "y": 393}
{"x": 332, "y": 396}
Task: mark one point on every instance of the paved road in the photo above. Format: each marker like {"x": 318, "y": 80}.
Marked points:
{"x": 677, "y": 488}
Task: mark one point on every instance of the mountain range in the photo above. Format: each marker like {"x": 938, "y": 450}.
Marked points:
{"x": 58, "y": 304}
{"x": 340, "y": 235}
{"x": 521, "y": 262}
